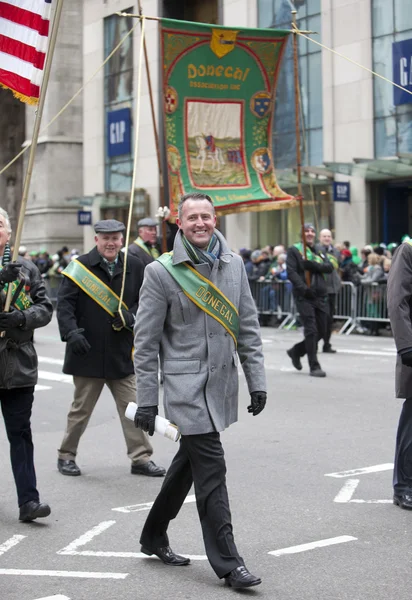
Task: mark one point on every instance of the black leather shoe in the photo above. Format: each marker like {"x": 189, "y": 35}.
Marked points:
{"x": 68, "y": 467}
{"x": 403, "y": 500}
{"x": 329, "y": 350}
{"x": 317, "y": 373}
{"x": 295, "y": 359}
{"x": 241, "y": 578}
{"x": 148, "y": 468}
{"x": 33, "y": 510}
{"x": 166, "y": 555}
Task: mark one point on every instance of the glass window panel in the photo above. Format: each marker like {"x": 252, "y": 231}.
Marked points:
{"x": 265, "y": 13}
{"x": 403, "y": 15}
{"x": 304, "y": 92}
{"x": 382, "y": 17}
{"x": 313, "y": 6}
{"x": 385, "y": 137}
{"x": 314, "y": 24}
{"x": 403, "y": 35}
{"x": 119, "y": 176}
{"x": 315, "y": 90}
{"x": 282, "y": 14}
{"x": 383, "y": 91}
{"x": 405, "y": 129}
{"x": 315, "y": 147}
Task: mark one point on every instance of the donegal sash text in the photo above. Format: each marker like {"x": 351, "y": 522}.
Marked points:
{"x": 93, "y": 287}
{"x": 204, "y": 294}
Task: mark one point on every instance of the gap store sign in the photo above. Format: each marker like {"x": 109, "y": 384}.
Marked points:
{"x": 402, "y": 71}
{"x": 119, "y": 126}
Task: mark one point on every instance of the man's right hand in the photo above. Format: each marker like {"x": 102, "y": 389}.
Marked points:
{"x": 406, "y": 359}
{"x": 309, "y": 294}
{"x": 78, "y": 343}
{"x": 145, "y": 418}
{"x": 10, "y": 272}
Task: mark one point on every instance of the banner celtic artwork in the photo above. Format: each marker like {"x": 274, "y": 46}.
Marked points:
{"x": 219, "y": 89}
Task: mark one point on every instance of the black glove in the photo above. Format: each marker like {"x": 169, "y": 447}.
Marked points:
{"x": 12, "y": 319}
{"x": 78, "y": 343}
{"x": 117, "y": 322}
{"x": 258, "y": 403}
{"x": 309, "y": 294}
{"x": 406, "y": 359}
{"x": 10, "y": 272}
{"x": 145, "y": 418}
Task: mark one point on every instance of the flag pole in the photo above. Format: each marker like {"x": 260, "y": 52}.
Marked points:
{"x": 35, "y": 138}
{"x": 156, "y": 134}
{"x": 298, "y": 151}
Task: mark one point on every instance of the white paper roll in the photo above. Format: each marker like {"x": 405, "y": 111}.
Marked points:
{"x": 162, "y": 425}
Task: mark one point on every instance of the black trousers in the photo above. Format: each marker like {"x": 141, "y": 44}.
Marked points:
{"x": 329, "y": 324}
{"x": 199, "y": 460}
{"x": 314, "y": 316}
{"x": 402, "y": 472}
{"x": 16, "y": 405}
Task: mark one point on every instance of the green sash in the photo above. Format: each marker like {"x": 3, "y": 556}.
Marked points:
{"x": 93, "y": 287}
{"x": 309, "y": 254}
{"x": 204, "y": 294}
{"x": 22, "y": 301}
{"x": 153, "y": 252}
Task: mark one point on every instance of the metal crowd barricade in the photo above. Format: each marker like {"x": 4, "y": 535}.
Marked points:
{"x": 346, "y": 306}
{"x": 274, "y": 297}
{"x": 371, "y": 304}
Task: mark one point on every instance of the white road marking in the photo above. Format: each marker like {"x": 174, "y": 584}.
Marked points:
{"x": 51, "y": 361}
{"x": 147, "y": 505}
{"x": 362, "y": 471}
{"x": 312, "y": 545}
{"x": 389, "y": 353}
{"x": 79, "y": 574}
{"x": 86, "y": 538}
{"x": 61, "y": 377}
{"x": 58, "y": 597}
{"x": 104, "y": 554}
{"x": 357, "y": 501}
{"x": 13, "y": 541}
{"x": 42, "y": 388}
{"x": 347, "y": 491}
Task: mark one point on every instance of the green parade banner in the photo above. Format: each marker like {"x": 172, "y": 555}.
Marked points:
{"x": 219, "y": 89}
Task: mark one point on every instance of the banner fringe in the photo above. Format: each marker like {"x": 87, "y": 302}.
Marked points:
{"x": 26, "y": 99}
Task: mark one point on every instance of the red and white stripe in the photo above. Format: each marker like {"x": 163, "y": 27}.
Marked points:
{"x": 24, "y": 29}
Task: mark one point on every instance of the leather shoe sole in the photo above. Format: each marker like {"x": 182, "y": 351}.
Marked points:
{"x": 403, "y": 502}
{"x": 150, "y": 469}
{"x": 39, "y": 511}
{"x": 173, "y": 561}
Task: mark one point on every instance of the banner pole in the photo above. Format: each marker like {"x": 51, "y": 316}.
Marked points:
{"x": 35, "y": 138}
{"x": 156, "y": 135}
{"x": 298, "y": 151}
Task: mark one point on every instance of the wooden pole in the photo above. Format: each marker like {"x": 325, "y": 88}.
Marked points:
{"x": 298, "y": 151}
{"x": 156, "y": 136}
{"x": 35, "y": 138}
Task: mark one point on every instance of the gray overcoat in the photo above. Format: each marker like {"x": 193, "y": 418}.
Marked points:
{"x": 198, "y": 356}
{"x": 400, "y": 313}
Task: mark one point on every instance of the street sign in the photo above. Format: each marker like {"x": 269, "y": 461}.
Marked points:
{"x": 119, "y": 125}
{"x": 341, "y": 191}
{"x": 402, "y": 71}
{"x": 84, "y": 217}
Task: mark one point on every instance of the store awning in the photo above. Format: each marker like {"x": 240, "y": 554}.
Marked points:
{"x": 375, "y": 169}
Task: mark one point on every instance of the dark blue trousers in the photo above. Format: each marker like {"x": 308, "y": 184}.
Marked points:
{"x": 16, "y": 405}
{"x": 402, "y": 472}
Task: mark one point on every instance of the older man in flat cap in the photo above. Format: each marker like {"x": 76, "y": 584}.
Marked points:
{"x": 99, "y": 342}
{"x": 145, "y": 246}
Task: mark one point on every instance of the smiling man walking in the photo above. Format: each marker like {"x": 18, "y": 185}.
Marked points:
{"x": 197, "y": 312}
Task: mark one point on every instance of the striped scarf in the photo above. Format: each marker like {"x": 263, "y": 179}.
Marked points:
{"x": 200, "y": 255}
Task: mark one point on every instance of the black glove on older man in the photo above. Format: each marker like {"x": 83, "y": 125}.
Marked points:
{"x": 10, "y": 272}
{"x": 12, "y": 319}
{"x": 78, "y": 343}
{"x": 128, "y": 317}
{"x": 145, "y": 418}
{"x": 258, "y": 403}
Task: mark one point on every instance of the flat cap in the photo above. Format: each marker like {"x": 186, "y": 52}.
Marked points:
{"x": 309, "y": 226}
{"x": 147, "y": 222}
{"x": 109, "y": 226}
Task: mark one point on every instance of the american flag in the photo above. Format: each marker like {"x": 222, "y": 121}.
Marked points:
{"x": 24, "y": 30}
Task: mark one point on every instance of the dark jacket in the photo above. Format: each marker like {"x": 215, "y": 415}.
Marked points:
{"x": 18, "y": 359}
{"x": 333, "y": 280}
{"x": 110, "y": 356}
{"x": 296, "y": 273}
{"x": 138, "y": 252}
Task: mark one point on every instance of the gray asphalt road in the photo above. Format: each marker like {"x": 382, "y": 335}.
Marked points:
{"x": 309, "y": 482}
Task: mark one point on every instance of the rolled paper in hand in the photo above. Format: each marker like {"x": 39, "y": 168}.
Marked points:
{"x": 162, "y": 425}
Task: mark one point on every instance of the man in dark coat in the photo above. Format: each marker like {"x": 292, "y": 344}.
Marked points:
{"x": 333, "y": 283}
{"x": 30, "y": 309}
{"x": 100, "y": 342}
{"x": 400, "y": 314}
{"x": 311, "y": 300}
{"x": 145, "y": 245}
